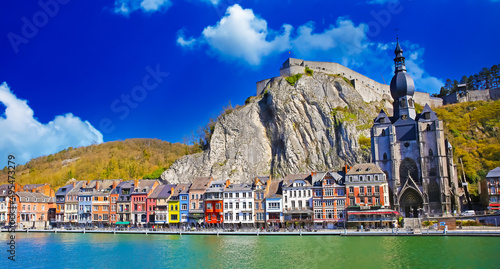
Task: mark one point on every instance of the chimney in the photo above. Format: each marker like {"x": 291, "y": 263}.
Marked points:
{"x": 115, "y": 182}
{"x": 228, "y": 182}
{"x": 346, "y": 168}
{"x": 16, "y": 187}
{"x": 97, "y": 185}
{"x": 136, "y": 183}
{"x": 74, "y": 183}
{"x": 84, "y": 185}
{"x": 172, "y": 191}
{"x": 33, "y": 190}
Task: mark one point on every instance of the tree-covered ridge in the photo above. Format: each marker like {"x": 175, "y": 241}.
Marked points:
{"x": 129, "y": 159}
{"x": 487, "y": 78}
{"x": 473, "y": 129}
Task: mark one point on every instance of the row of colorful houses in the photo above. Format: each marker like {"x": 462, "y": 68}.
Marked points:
{"x": 351, "y": 197}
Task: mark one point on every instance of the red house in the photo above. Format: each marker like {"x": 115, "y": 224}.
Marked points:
{"x": 213, "y": 202}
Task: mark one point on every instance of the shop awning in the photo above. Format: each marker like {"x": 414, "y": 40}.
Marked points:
{"x": 371, "y": 212}
{"x": 123, "y": 223}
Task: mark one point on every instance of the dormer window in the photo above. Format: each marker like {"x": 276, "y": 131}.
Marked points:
{"x": 382, "y": 120}
{"x": 427, "y": 115}
{"x": 383, "y": 132}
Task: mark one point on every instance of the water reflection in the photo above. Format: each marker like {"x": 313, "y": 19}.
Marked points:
{"x": 37, "y": 250}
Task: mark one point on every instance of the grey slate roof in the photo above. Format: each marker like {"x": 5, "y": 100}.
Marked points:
{"x": 34, "y": 197}
{"x": 494, "y": 173}
{"x": 238, "y": 187}
{"x": 4, "y": 190}
{"x": 288, "y": 180}
{"x": 216, "y": 186}
{"x": 364, "y": 169}
{"x": 274, "y": 189}
{"x": 200, "y": 183}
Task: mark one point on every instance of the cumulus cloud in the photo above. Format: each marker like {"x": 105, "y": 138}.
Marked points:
{"x": 25, "y": 137}
{"x": 340, "y": 41}
{"x": 242, "y": 35}
{"x": 125, "y": 7}
{"x": 414, "y": 64}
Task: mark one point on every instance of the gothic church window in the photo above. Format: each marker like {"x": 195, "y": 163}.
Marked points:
{"x": 431, "y": 153}
{"x": 385, "y": 156}
{"x": 433, "y": 190}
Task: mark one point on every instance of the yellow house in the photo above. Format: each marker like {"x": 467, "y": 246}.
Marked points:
{"x": 174, "y": 206}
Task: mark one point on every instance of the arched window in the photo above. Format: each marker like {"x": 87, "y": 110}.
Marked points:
{"x": 385, "y": 156}
{"x": 431, "y": 153}
{"x": 383, "y": 132}
{"x": 428, "y": 127}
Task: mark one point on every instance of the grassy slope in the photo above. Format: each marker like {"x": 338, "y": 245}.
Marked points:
{"x": 129, "y": 159}
{"x": 473, "y": 129}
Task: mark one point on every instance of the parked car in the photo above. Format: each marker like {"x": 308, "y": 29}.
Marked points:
{"x": 468, "y": 213}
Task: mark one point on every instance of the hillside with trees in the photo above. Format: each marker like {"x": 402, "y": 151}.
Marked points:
{"x": 129, "y": 159}
{"x": 473, "y": 129}
{"x": 487, "y": 78}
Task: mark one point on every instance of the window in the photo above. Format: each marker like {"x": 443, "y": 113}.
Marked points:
{"x": 369, "y": 178}
{"x": 385, "y": 156}
{"x": 376, "y": 178}
{"x": 428, "y": 128}
{"x": 340, "y": 192}
{"x": 184, "y": 207}
{"x": 350, "y": 179}
{"x": 192, "y": 196}
{"x": 29, "y": 207}
{"x": 237, "y": 205}
{"x": 174, "y": 217}
{"x": 244, "y": 205}
{"x": 244, "y": 216}
{"x": 263, "y": 206}
{"x": 237, "y": 195}
{"x": 244, "y": 195}
{"x": 113, "y": 208}
{"x": 113, "y": 199}
{"x": 256, "y": 206}
{"x": 383, "y": 132}
{"x": 430, "y": 152}
{"x": 209, "y": 206}
{"x": 217, "y": 206}
{"x": 360, "y": 178}
{"x": 197, "y": 196}
{"x": 328, "y": 202}
{"x": 293, "y": 204}
{"x": 105, "y": 217}
{"x": 249, "y": 216}
{"x": 237, "y": 216}
{"x": 96, "y": 217}
{"x": 369, "y": 190}
{"x": 193, "y": 205}
{"x": 250, "y": 196}
{"x": 300, "y": 204}
{"x": 184, "y": 197}
{"x": 341, "y": 202}
{"x": 377, "y": 201}
{"x": 34, "y": 208}
{"x": 376, "y": 190}
{"x": 225, "y": 205}
{"x": 225, "y": 195}
{"x": 318, "y": 214}
{"x": 317, "y": 203}
{"x": 351, "y": 189}
{"x": 230, "y": 205}
{"x": 105, "y": 208}
{"x": 351, "y": 201}
{"x": 328, "y": 192}
{"x": 362, "y": 190}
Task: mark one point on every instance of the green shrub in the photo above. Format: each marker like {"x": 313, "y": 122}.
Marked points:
{"x": 293, "y": 79}
{"x": 309, "y": 71}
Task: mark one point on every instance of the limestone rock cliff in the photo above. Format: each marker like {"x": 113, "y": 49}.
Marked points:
{"x": 313, "y": 125}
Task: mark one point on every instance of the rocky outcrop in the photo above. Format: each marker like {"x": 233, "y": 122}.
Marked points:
{"x": 313, "y": 125}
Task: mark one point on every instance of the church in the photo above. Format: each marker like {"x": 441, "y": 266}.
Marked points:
{"x": 412, "y": 151}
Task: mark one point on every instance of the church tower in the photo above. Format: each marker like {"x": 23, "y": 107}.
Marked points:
{"x": 412, "y": 151}
{"x": 402, "y": 88}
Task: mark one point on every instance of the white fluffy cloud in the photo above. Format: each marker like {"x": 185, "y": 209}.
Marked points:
{"x": 24, "y": 137}
{"x": 125, "y": 7}
{"x": 240, "y": 34}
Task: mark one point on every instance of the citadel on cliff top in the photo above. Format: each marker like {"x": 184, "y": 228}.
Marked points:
{"x": 369, "y": 89}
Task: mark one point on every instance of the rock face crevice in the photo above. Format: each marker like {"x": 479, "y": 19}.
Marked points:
{"x": 314, "y": 125}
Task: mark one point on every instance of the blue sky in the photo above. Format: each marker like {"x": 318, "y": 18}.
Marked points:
{"x": 76, "y": 72}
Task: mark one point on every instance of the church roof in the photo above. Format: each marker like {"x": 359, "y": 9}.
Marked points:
{"x": 432, "y": 116}
{"x": 382, "y": 118}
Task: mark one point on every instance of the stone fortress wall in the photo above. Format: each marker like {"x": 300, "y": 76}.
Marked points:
{"x": 369, "y": 89}
{"x": 471, "y": 96}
